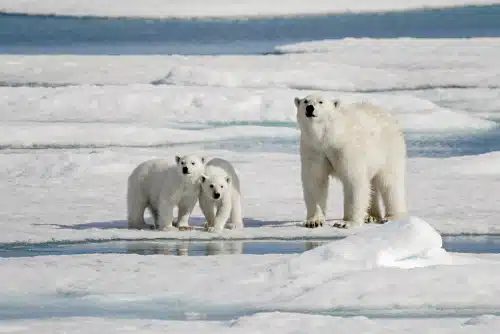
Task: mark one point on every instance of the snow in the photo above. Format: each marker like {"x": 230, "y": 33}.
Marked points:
{"x": 259, "y": 323}
{"x": 82, "y": 192}
{"x": 75, "y": 145}
{"x": 218, "y": 8}
{"x": 74, "y": 128}
{"x": 361, "y": 275}
{"x": 394, "y": 65}
{"x": 400, "y": 74}
{"x": 385, "y": 246}
{"x": 32, "y": 116}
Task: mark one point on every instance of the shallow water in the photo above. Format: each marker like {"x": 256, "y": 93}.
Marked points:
{"x": 59, "y": 34}
{"x": 178, "y": 248}
{"x": 459, "y": 244}
{"x": 452, "y": 145}
{"x": 419, "y": 144}
{"x": 440, "y": 145}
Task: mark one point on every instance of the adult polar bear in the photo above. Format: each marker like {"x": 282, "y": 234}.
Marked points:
{"x": 362, "y": 146}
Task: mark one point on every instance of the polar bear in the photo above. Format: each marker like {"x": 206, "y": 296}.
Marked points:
{"x": 220, "y": 197}
{"x": 362, "y": 146}
{"x": 160, "y": 186}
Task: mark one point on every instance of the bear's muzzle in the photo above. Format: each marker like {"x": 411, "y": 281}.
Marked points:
{"x": 310, "y": 111}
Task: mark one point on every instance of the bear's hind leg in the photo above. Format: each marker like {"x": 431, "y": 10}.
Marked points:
{"x": 375, "y": 210}
{"x": 186, "y": 206}
{"x": 394, "y": 197}
{"x": 154, "y": 214}
{"x": 136, "y": 204}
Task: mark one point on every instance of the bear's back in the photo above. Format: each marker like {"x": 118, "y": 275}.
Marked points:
{"x": 374, "y": 128}
{"x": 154, "y": 173}
{"x": 365, "y": 112}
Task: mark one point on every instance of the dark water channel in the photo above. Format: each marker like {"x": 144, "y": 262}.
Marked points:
{"x": 460, "y": 244}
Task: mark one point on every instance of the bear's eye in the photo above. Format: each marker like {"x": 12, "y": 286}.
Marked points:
{"x": 320, "y": 102}
{"x": 212, "y": 186}
{"x": 306, "y": 102}
{"x": 192, "y": 163}
{"x": 183, "y": 163}
{"x": 221, "y": 187}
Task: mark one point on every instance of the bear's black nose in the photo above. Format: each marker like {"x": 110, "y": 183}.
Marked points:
{"x": 216, "y": 195}
{"x": 310, "y": 111}
{"x": 185, "y": 170}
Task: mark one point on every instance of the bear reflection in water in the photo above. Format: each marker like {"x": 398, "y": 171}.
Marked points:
{"x": 186, "y": 248}
{"x": 219, "y": 247}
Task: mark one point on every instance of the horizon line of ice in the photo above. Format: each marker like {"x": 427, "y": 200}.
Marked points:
{"x": 220, "y": 9}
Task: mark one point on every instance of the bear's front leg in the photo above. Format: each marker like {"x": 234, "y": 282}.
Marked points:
{"x": 208, "y": 209}
{"x": 166, "y": 215}
{"x": 356, "y": 202}
{"x": 315, "y": 175}
{"x": 186, "y": 206}
{"x": 235, "y": 219}
{"x": 223, "y": 213}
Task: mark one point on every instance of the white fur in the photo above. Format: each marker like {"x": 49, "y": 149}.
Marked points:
{"x": 362, "y": 146}
{"x": 220, "y": 177}
{"x": 160, "y": 186}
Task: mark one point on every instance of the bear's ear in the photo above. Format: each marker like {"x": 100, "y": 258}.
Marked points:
{"x": 203, "y": 160}
{"x": 336, "y": 103}
{"x": 203, "y": 178}
{"x": 177, "y": 159}
{"x": 297, "y": 102}
{"x": 228, "y": 179}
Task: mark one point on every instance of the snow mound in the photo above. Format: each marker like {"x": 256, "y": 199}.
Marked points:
{"x": 404, "y": 244}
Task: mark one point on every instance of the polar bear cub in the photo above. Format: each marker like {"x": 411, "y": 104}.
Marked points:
{"x": 161, "y": 186}
{"x": 220, "y": 198}
{"x": 362, "y": 146}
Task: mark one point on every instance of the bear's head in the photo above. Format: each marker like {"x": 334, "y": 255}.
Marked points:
{"x": 190, "y": 166}
{"x": 215, "y": 185}
{"x": 314, "y": 108}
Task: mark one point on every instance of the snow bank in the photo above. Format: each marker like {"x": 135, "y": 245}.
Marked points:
{"x": 402, "y": 244}
{"x": 217, "y": 8}
{"x": 388, "y": 245}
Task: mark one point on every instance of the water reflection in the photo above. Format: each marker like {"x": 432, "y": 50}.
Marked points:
{"x": 219, "y": 247}
{"x": 313, "y": 244}
{"x": 451, "y": 243}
